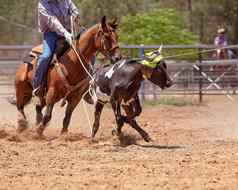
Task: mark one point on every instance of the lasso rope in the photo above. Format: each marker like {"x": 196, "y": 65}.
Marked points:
{"x": 199, "y": 52}
{"x": 93, "y": 95}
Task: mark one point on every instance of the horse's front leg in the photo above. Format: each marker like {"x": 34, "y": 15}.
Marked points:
{"x": 97, "y": 115}
{"x": 72, "y": 103}
{"x": 46, "y": 118}
{"x": 68, "y": 113}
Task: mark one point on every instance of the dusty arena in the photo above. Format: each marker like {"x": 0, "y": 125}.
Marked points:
{"x": 194, "y": 147}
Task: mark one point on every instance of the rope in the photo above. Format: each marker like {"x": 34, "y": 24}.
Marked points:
{"x": 199, "y": 52}
{"x": 87, "y": 113}
{"x": 76, "y": 52}
{"x": 92, "y": 94}
{"x": 80, "y": 60}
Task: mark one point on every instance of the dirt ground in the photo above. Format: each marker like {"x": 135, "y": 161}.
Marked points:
{"x": 194, "y": 147}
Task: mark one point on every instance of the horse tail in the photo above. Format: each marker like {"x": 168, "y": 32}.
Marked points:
{"x": 24, "y": 73}
{"x": 20, "y": 77}
{"x": 23, "y": 87}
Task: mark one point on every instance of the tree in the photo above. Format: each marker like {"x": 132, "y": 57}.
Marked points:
{"x": 162, "y": 26}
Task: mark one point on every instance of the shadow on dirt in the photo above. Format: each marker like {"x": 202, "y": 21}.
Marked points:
{"x": 168, "y": 147}
{"x": 126, "y": 140}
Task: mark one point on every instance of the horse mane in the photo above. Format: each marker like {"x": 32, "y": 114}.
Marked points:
{"x": 84, "y": 30}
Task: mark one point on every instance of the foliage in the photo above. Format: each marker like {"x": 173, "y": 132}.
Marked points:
{"x": 164, "y": 26}
{"x": 200, "y": 17}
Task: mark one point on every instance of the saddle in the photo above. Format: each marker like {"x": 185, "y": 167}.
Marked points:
{"x": 61, "y": 47}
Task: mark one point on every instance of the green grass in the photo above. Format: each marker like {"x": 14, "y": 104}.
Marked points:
{"x": 171, "y": 101}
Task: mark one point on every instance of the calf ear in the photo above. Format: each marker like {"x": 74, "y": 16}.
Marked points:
{"x": 104, "y": 22}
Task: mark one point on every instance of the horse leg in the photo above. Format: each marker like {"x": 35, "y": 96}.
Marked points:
{"x": 23, "y": 96}
{"x": 39, "y": 106}
{"x": 68, "y": 114}
{"x": 72, "y": 103}
{"x": 46, "y": 118}
{"x": 22, "y": 123}
{"x": 97, "y": 115}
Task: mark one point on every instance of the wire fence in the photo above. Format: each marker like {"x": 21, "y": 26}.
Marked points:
{"x": 196, "y": 75}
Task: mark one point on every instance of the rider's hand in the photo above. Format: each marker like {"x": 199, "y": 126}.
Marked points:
{"x": 68, "y": 37}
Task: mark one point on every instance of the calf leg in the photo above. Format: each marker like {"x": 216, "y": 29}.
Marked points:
{"x": 97, "y": 115}
{"x": 136, "y": 106}
{"x": 144, "y": 134}
{"x": 119, "y": 119}
{"x": 132, "y": 111}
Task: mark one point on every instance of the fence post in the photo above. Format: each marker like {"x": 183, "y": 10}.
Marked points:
{"x": 142, "y": 87}
{"x": 200, "y": 75}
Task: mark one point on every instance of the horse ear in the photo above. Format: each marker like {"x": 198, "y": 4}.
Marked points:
{"x": 104, "y": 22}
{"x": 114, "y": 23}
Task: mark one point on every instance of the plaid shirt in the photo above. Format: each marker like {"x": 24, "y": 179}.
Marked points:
{"x": 220, "y": 40}
{"x": 54, "y": 15}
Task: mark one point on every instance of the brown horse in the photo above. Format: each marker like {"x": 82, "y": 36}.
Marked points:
{"x": 101, "y": 38}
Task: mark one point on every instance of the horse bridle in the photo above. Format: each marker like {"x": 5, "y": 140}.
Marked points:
{"x": 104, "y": 44}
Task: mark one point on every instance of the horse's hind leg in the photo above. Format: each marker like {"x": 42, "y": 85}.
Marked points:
{"x": 22, "y": 123}
{"x": 97, "y": 115}
{"x": 23, "y": 96}
{"x": 39, "y": 106}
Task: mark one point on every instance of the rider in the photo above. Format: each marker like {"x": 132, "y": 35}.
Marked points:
{"x": 54, "y": 17}
{"x": 221, "y": 40}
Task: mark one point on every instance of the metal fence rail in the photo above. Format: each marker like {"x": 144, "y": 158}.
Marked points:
{"x": 191, "y": 77}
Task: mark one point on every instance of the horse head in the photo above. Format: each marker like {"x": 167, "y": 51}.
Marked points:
{"x": 106, "y": 40}
{"x": 156, "y": 71}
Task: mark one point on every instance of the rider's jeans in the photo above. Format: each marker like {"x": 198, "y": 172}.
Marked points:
{"x": 49, "y": 45}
